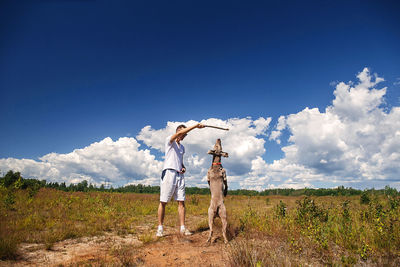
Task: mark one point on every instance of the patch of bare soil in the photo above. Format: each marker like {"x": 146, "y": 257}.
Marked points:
{"x": 175, "y": 250}
{"x": 114, "y": 250}
{"x": 70, "y": 251}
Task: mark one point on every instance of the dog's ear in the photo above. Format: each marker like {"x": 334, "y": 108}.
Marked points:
{"x": 211, "y": 152}
{"x": 224, "y": 154}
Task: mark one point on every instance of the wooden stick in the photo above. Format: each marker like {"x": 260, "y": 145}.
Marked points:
{"x": 216, "y": 127}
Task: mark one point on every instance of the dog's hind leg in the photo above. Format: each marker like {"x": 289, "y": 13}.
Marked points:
{"x": 222, "y": 215}
{"x": 211, "y": 215}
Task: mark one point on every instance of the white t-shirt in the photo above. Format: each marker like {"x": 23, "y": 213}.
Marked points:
{"x": 173, "y": 155}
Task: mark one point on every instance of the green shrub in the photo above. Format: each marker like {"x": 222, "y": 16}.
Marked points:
{"x": 394, "y": 202}
{"x": 280, "y": 209}
{"x": 307, "y": 211}
{"x": 9, "y": 200}
{"x": 364, "y": 198}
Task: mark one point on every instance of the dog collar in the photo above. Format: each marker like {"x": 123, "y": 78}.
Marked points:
{"x": 216, "y": 163}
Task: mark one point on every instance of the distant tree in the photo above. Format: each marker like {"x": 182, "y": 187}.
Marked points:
{"x": 92, "y": 187}
{"x": 364, "y": 198}
{"x": 82, "y": 186}
{"x": 10, "y": 178}
{"x": 390, "y": 191}
{"x": 15, "y": 181}
{"x": 63, "y": 186}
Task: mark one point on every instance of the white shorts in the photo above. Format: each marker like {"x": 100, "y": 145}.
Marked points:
{"x": 173, "y": 184}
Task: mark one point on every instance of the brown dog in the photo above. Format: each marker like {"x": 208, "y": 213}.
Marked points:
{"x": 216, "y": 177}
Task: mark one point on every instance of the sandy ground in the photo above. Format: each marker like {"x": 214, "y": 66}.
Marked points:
{"x": 70, "y": 251}
{"x": 174, "y": 250}
{"x": 113, "y": 250}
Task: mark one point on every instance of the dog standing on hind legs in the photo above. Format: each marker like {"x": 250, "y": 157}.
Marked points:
{"x": 216, "y": 178}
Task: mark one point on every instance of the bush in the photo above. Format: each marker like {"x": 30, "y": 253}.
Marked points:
{"x": 280, "y": 209}
{"x": 394, "y": 202}
{"x": 9, "y": 200}
{"x": 364, "y": 198}
{"x": 307, "y": 211}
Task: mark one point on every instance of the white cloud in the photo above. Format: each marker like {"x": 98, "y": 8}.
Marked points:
{"x": 244, "y": 142}
{"x": 353, "y": 142}
{"x": 124, "y": 161}
{"x": 352, "y": 103}
{"x": 279, "y": 174}
{"x": 275, "y": 135}
{"x": 115, "y": 161}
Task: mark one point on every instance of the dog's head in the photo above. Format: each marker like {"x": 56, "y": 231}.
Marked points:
{"x": 217, "y": 151}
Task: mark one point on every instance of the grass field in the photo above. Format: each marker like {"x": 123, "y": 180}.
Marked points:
{"x": 272, "y": 230}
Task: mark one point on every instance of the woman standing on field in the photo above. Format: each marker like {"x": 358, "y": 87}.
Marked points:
{"x": 172, "y": 179}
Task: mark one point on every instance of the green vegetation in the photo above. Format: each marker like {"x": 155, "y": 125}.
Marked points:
{"x": 337, "y": 230}
{"x": 14, "y": 179}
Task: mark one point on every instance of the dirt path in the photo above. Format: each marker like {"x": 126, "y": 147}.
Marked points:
{"x": 114, "y": 250}
{"x": 174, "y": 250}
{"x": 70, "y": 251}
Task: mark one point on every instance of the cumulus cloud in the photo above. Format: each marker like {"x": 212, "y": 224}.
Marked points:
{"x": 279, "y": 174}
{"x": 354, "y": 103}
{"x": 355, "y": 141}
{"x": 115, "y": 161}
{"x": 244, "y": 142}
{"x": 275, "y": 134}
{"x": 126, "y": 161}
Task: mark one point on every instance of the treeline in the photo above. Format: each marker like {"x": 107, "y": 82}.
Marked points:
{"x": 339, "y": 191}
{"x": 15, "y": 180}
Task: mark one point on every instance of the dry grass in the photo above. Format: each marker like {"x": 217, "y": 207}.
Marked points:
{"x": 271, "y": 230}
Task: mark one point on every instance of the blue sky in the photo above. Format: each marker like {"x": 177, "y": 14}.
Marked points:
{"x": 73, "y": 73}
